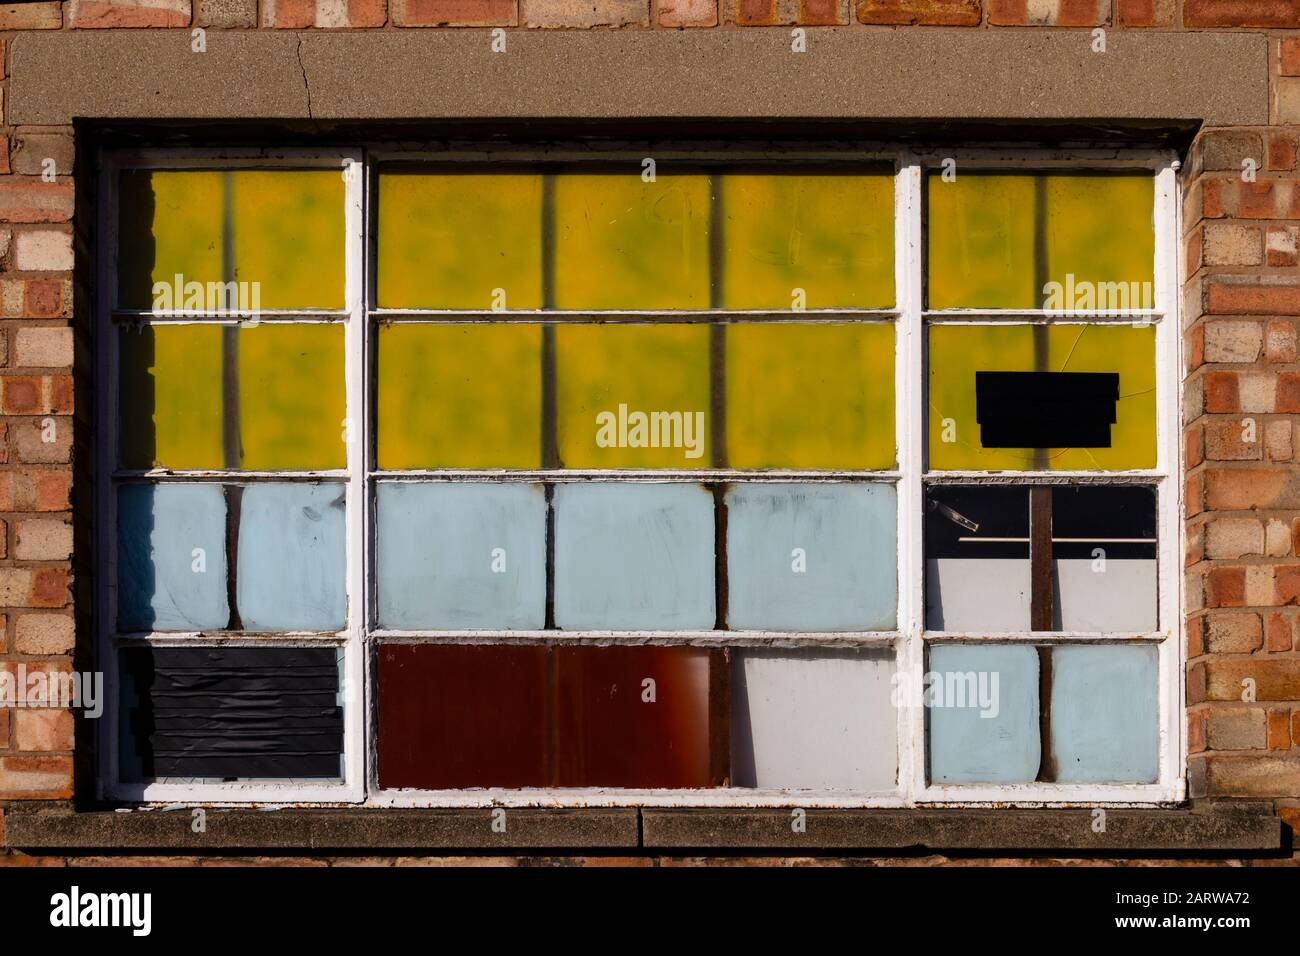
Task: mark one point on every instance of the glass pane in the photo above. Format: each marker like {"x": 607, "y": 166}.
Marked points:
{"x": 459, "y": 240}
{"x": 638, "y": 717}
{"x": 1104, "y": 714}
{"x": 1104, "y": 559}
{"x": 633, "y": 556}
{"x": 171, "y": 557}
{"x": 291, "y": 566}
{"x": 461, "y": 555}
{"x": 828, "y": 234}
{"x": 983, "y": 714}
{"x": 1088, "y": 390}
{"x": 170, "y": 395}
{"x": 459, "y": 396}
{"x": 810, "y": 395}
{"x": 977, "y": 559}
{"x": 817, "y": 719}
{"x": 633, "y": 396}
{"x": 279, "y": 231}
{"x": 221, "y": 713}
{"x": 817, "y": 557}
{"x": 456, "y": 716}
{"x": 997, "y": 240}
{"x": 622, "y": 243}
{"x": 282, "y": 401}
{"x": 291, "y": 396}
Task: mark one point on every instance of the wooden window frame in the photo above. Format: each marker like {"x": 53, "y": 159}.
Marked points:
{"x": 360, "y": 638}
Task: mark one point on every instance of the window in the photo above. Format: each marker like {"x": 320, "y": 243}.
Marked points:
{"x": 460, "y": 478}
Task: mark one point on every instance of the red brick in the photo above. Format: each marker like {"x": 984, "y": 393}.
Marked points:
{"x": 1225, "y": 441}
{"x": 1276, "y": 678}
{"x": 948, "y": 13}
{"x": 1286, "y": 584}
{"x": 1194, "y": 447}
{"x": 1257, "y": 200}
{"x": 1241, "y": 489}
{"x": 1144, "y": 13}
{"x": 688, "y": 13}
{"x": 1195, "y": 248}
{"x": 1282, "y": 246}
{"x": 1225, "y": 587}
{"x": 425, "y": 13}
{"x": 819, "y": 12}
{"x": 755, "y": 12}
{"x": 1289, "y": 62}
{"x": 1288, "y": 392}
{"x": 43, "y": 729}
{"x": 1278, "y": 634}
{"x": 49, "y": 587}
{"x": 31, "y": 16}
{"x": 1061, "y": 13}
{"x": 43, "y": 298}
{"x": 1195, "y": 733}
{"x": 288, "y": 14}
{"x": 130, "y": 13}
{"x": 1241, "y": 13}
{"x": 1212, "y": 204}
{"x": 1222, "y": 393}
{"x": 42, "y": 778}
{"x": 1281, "y": 151}
{"x": 27, "y": 201}
{"x": 583, "y": 14}
{"x": 1280, "y": 343}
{"x": 366, "y": 13}
{"x": 1251, "y": 297}
{"x": 22, "y": 394}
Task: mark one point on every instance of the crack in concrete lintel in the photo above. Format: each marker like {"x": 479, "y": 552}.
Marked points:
{"x": 306, "y": 84}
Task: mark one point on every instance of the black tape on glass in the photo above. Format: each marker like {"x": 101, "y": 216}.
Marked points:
{"x": 1045, "y": 409}
{"x": 236, "y": 712}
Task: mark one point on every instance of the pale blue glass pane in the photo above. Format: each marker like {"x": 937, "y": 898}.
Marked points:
{"x": 461, "y": 555}
{"x": 1104, "y": 714}
{"x": 171, "y": 557}
{"x": 292, "y": 565}
{"x": 815, "y": 557}
{"x": 633, "y": 556}
{"x": 983, "y": 713}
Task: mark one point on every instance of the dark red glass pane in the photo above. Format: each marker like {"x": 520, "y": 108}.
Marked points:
{"x": 456, "y": 716}
{"x": 640, "y": 717}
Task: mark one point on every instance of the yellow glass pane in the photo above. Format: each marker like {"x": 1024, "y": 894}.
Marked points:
{"x": 291, "y": 396}
{"x": 1022, "y": 241}
{"x": 633, "y": 396}
{"x": 622, "y": 243}
{"x": 459, "y": 240}
{"x": 831, "y": 235}
{"x": 459, "y": 396}
{"x": 957, "y": 352}
{"x": 290, "y": 236}
{"x": 170, "y": 396}
{"x": 169, "y": 224}
{"x": 810, "y": 395}
{"x": 280, "y": 233}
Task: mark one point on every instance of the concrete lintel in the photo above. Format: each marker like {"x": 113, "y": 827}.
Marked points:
{"x": 848, "y": 73}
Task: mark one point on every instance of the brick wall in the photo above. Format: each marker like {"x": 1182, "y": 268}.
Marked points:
{"x": 1241, "y": 226}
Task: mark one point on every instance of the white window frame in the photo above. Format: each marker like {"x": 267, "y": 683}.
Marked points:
{"x": 360, "y": 638}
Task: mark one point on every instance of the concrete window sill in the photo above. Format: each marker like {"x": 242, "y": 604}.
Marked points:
{"x": 1249, "y": 829}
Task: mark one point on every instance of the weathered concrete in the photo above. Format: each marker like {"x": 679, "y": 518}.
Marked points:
{"x": 847, "y": 73}
{"x": 1127, "y": 832}
{"x": 347, "y": 828}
